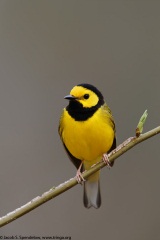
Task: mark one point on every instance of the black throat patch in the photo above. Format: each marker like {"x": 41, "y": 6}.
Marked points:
{"x": 80, "y": 113}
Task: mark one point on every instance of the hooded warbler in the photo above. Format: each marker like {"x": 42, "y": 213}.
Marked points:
{"x": 87, "y": 130}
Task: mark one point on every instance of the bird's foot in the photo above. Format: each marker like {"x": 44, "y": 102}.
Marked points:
{"x": 79, "y": 177}
{"x": 106, "y": 160}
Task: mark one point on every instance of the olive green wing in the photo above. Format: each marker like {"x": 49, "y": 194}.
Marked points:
{"x": 112, "y": 123}
{"x": 110, "y": 116}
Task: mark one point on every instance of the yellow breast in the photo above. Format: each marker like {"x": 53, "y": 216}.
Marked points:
{"x": 87, "y": 140}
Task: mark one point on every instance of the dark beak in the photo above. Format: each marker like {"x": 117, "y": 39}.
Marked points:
{"x": 70, "y": 97}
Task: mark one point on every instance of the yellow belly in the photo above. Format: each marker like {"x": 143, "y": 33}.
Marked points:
{"x": 88, "y": 140}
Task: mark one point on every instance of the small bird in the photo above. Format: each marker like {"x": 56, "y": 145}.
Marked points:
{"x": 87, "y": 130}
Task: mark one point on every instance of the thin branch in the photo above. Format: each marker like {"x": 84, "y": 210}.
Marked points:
{"x": 53, "y": 192}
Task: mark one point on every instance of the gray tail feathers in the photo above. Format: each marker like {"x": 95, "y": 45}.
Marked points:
{"x": 92, "y": 195}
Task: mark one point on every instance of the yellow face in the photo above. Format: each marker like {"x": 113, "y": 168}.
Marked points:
{"x": 85, "y": 96}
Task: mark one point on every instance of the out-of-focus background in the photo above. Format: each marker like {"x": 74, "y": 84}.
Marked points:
{"x": 47, "y": 47}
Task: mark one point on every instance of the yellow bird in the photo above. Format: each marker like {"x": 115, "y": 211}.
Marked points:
{"x": 87, "y": 130}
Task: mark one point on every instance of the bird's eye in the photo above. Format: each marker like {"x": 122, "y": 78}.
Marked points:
{"x": 86, "y": 96}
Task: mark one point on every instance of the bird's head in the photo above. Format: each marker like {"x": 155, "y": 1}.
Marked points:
{"x": 86, "y": 95}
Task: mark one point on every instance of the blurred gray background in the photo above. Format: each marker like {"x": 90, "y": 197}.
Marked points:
{"x": 47, "y": 47}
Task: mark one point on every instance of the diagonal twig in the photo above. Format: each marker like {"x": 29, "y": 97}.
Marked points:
{"x": 55, "y": 191}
